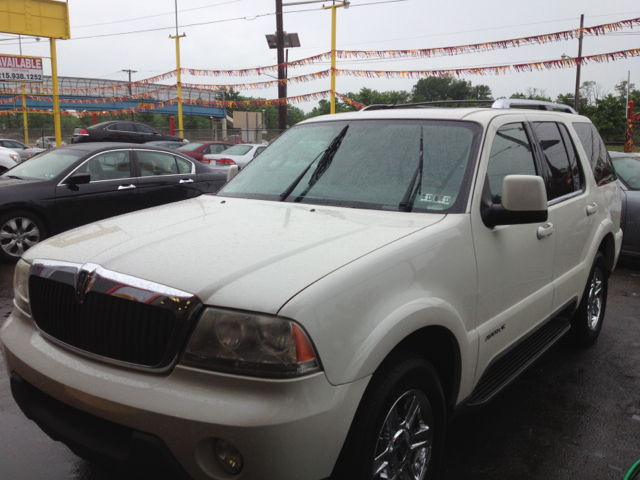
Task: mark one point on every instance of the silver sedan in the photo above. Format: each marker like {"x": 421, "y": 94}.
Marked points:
{"x": 20, "y": 148}
{"x": 240, "y": 155}
{"x": 627, "y": 167}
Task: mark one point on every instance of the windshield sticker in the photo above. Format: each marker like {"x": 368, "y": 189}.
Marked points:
{"x": 433, "y": 198}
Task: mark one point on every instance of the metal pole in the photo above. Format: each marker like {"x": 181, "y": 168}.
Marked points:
{"x": 56, "y": 96}
{"x": 333, "y": 59}
{"x": 177, "y": 37}
{"x": 626, "y": 109}
{"x": 282, "y": 89}
{"x": 24, "y": 116}
{"x": 576, "y": 99}
{"x": 133, "y": 118}
{"x": 24, "y": 102}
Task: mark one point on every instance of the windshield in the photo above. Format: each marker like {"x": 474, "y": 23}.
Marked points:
{"x": 238, "y": 150}
{"x": 371, "y": 164}
{"x": 628, "y": 169}
{"x": 190, "y": 146}
{"x": 47, "y": 165}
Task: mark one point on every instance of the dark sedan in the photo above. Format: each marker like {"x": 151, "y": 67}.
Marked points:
{"x": 198, "y": 150}
{"x": 627, "y": 167}
{"x": 120, "y": 131}
{"x": 78, "y": 184}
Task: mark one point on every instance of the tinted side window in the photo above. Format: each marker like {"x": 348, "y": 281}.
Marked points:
{"x": 601, "y": 165}
{"x": 124, "y": 127}
{"x": 555, "y": 159}
{"x": 510, "y": 155}
{"x": 576, "y": 169}
{"x": 144, "y": 128}
{"x": 108, "y": 166}
{"x": 156, "y": 163}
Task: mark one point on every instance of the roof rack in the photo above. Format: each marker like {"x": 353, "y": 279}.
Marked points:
{"x": 428, "y": 104}
{"x": 540, "y": 104}
{"x": 502, "y": 103}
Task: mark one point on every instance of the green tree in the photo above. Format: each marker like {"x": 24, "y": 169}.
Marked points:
{"x": 434, "y": 89}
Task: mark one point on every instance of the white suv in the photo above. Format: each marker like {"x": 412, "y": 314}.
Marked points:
{"x": 365, "y": 277}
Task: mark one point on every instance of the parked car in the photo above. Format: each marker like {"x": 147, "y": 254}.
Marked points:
{"x": 121, "y": 131}
{"x": 8, "y": 159}
{"x": 170, "y": 144}
{"x": 627, "y": 167}
{"x": 71, "y": 186}
{"x": 21, "y": 149}
{"x": 198, "y": 150}
{"x": 238, "y": 155}
{"x": 48, "y": 142}
{"x": 363, "y": 279}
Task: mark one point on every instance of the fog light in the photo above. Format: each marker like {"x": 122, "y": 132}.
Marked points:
{"x": 228, "y": 457}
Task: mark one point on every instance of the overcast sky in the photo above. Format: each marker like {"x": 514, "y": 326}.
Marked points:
{"x": 240, "y": 43}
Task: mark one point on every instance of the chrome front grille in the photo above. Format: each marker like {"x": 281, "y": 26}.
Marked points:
{"x": 108, "y": 315}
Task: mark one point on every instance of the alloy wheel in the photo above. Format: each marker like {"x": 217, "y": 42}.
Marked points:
{"x": 594, "y": 306}
{"x": 18, "y": 235}
{"x": 405, "y": 441}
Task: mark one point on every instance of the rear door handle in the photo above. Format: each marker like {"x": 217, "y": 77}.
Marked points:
{"x": 545, "y": 230}
{"x": 592, "y": 208}
{"x": 188, "y": 180}
{"x": 126, "y": 187}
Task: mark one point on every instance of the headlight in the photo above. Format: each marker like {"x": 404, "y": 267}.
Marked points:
{"x": 250, "y": 344}
{"x": 21, "y": 285}
{"x": 15, "y": 158}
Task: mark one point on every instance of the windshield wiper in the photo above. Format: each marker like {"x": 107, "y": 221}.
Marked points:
{"x": 15, "y": 176}
{"x": 407, "y": 201}
{"x": 323, "y": 165}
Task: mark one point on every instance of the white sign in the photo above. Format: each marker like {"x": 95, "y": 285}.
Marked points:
{"x": 20, "y": 69}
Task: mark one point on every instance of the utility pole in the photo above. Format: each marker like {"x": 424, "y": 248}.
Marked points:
{"x": 576, "y": 98}
{"x": 133, "y": 117}
{"x": 282, "y": 89}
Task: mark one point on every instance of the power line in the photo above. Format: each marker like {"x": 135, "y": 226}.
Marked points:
{"x": 157, "y": 15}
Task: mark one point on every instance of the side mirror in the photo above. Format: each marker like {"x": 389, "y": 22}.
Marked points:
{"x": 79, "y": 179}
{"x": 232, "y": 172}
{"x": 524, "y": 200}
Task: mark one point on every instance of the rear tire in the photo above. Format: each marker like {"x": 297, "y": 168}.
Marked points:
{"x": 398, "y": 430}
{"x": 19, "y": 231}
{"x": 586, "y": 322}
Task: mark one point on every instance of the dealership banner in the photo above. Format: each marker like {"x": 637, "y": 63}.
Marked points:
{"x": 20, "y": 69}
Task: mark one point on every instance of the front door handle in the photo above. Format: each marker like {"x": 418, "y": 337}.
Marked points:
{"x": 545, "y": 230}
{"x": 592, "y": 208}
{"x": 126, "y": 187}
{"x": 188, "y": 180}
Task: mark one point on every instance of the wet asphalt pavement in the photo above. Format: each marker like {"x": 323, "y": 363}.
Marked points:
{"x": 575, "y": 414}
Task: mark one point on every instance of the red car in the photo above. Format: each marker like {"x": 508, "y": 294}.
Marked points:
{"x": 198, "y": 150}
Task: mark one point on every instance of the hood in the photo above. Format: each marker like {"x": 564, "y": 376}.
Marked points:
{"x": 10, "y": 182}
{"x": 231, "y": 252}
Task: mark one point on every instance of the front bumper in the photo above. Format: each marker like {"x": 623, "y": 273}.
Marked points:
{"x": 284, "y": 429}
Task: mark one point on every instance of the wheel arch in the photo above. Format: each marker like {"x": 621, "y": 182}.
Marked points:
{"x": 33, "y": 211}
{"x": 608, "y": 248}
{"x": 439, "y": 346}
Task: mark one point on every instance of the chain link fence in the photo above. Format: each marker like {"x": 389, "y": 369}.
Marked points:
{"x": 633, "y": 136}
{"x": 193, "y": 135}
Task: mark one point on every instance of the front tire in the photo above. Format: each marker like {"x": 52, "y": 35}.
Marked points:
{"x": 19, "y": 231}
{"x": 586, "y": 322}
{"x": 398, "y": 430}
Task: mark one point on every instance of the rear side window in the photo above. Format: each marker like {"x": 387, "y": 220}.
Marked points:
{"x": 555, "y": 159}
{"x": 144, "y": 128}
{"x": 601, "y": 166}
{"x": 124, "y": 127}
{"x": 184, "y": 166}
{"x": 510, "y": 155}
{"x": 156, "y": 163}
{"x": 576, "y": 169}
